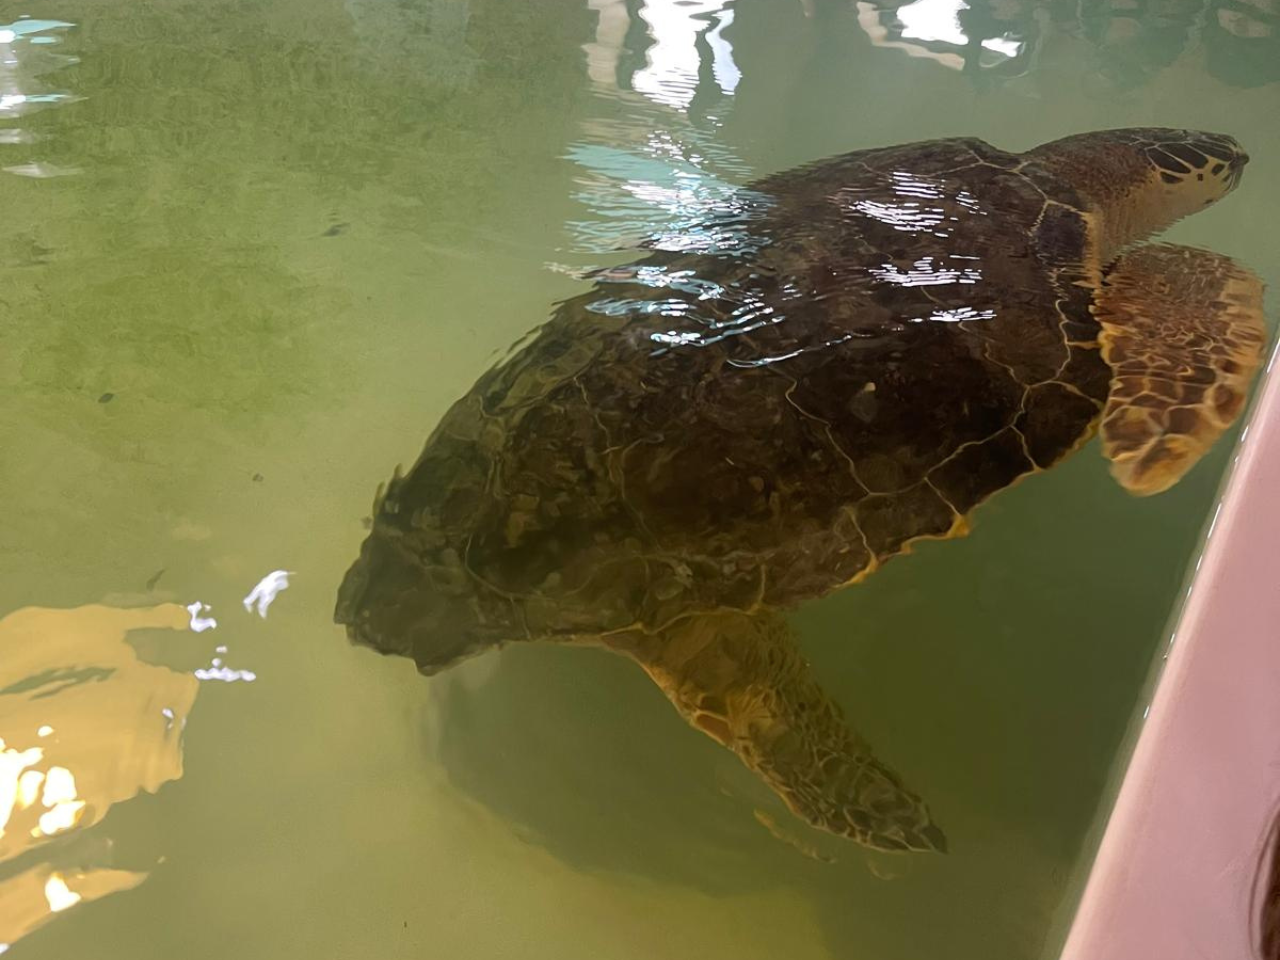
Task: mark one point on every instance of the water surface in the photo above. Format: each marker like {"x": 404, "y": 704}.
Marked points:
{"x": 249, "y": 255}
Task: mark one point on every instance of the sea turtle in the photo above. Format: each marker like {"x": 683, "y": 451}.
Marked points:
{"x": 769, "y": 405}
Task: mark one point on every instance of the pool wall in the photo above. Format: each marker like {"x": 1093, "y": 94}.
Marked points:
{"x": 1175, "y": 872}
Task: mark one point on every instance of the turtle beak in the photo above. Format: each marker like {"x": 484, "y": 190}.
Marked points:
{"x": 1237, "y": 168}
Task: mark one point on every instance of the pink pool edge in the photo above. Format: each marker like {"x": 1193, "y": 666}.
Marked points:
{"x": 1174, "y": 875}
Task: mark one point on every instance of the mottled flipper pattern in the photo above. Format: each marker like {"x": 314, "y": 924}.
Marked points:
{"x": 1182, "y": 330}
{"x": 743, "y": 681}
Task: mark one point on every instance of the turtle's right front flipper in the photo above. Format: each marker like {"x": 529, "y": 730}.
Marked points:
{"x": 743, "y": 681}
{"x": 1183, "y": 331}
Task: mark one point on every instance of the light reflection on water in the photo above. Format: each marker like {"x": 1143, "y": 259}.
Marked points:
{"x": 937, "y": 30}
{"x": 25, "y": 54}
{"x": 1130, "y": 44}
{"x": 683, "y": 90}
{"x": 650, "y": 159}
{"x": 673, "y": 63}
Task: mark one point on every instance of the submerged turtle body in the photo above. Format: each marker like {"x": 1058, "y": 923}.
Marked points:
{"x": 851, "y": 358}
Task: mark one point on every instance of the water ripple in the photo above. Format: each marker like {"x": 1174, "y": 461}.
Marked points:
{"x": 24, "y": 57}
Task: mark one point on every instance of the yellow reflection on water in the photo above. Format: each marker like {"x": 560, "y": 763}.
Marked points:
{"x": 33, "y": 896}
{"x": 84, "y": 725}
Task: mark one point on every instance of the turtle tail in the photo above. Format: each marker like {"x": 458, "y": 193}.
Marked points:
{"x": 742, "y": 680}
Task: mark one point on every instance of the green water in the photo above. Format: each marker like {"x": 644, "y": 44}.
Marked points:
{"x": 250, "y": 252}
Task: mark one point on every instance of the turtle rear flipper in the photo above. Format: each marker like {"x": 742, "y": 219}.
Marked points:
{"x": 742, "y": 680}
{"x": 1183, "y": 332}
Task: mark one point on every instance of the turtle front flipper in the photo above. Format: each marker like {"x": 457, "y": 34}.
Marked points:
{"x": 742, "y": 680}
{"x": 1182, "y": 330}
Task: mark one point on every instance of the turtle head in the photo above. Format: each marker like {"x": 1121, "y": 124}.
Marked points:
{"x": 403, "y": 600}
{"x": 1139, "y": 181}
